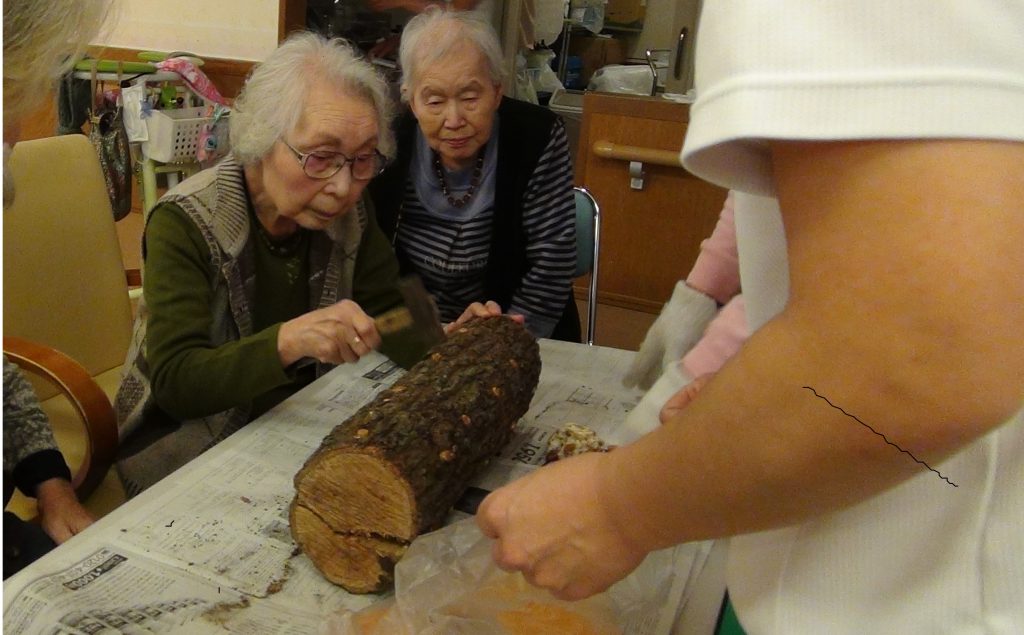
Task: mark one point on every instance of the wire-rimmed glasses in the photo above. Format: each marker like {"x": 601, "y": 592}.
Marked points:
{"x": 323, "y": 165}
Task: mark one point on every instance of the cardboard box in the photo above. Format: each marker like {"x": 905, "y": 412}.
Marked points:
{"x": 626, "y": 12}
{"x": 596, "y": 51}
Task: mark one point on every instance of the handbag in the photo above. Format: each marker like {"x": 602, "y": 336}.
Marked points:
{"x": 110, "y": 140}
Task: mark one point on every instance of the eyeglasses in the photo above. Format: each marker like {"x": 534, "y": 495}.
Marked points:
{"x": 324, "y": 165}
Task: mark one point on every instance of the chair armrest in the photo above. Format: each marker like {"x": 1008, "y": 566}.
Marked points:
{"x": 85, "y": 395}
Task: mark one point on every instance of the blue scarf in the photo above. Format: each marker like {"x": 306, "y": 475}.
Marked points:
{"x": 428, "y": 188}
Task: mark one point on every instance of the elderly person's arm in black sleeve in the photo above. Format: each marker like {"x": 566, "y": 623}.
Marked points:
{"x": 42, "y": 41}
{"x": 34, "y": 464}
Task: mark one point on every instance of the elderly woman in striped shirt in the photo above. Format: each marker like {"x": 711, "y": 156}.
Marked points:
{"x": 479, "y": 201}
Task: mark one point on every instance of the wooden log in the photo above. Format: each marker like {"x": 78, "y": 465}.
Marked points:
{"x": 394, "y": 469}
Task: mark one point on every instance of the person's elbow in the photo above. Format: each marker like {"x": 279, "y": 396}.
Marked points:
{"x": 167, "y": 387}
{"x": 989, "y": 391}
{"x": 966, "y": 373}
{"x": 949, "y": 375}
{"x": 978, "y": 350}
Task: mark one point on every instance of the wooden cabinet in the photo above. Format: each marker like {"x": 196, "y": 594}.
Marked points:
{"x": 650, "y": 237}
{"x": 291, "y": 16}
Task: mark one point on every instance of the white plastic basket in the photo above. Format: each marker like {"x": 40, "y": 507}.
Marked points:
{"x": 174, "y": 134}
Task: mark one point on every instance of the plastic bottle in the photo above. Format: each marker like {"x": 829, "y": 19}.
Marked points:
{"x": 574, "y": 72}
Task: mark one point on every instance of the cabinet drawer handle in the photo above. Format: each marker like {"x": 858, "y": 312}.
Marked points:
{"x": 608, "y": 150}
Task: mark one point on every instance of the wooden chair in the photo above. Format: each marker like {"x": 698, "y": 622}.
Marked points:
{"x": 67, "y": 315}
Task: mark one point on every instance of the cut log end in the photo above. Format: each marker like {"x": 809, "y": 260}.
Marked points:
{"x": 355, "y": 492}
{"x": 360, "y": 564}
{"x": 396, "y": 466}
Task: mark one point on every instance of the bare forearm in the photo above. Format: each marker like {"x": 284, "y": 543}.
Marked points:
{"x": 916, "y": 339}
{"x": 758, "y": 450}
{"x": 753, "y": 451}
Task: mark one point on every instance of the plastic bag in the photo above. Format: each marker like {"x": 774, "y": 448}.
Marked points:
{"x": 447, "y": 583}
{"x": 548, "y": 15}
{"x": 622, "y": 78}
{"x": 588, "y": 13}
{"x": 133, "y": 99}
{"x": 523, "y": 89}
{"x": 543, "y": 78}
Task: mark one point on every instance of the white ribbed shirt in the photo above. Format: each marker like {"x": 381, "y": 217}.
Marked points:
{"x": 924, "y": 557}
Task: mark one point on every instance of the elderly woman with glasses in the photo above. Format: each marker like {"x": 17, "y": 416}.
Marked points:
{"x": 479, "y": 201}
{"x": 265, "y": 269}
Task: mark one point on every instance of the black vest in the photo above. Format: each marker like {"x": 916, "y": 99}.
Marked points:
{"x": 524, "y": 132}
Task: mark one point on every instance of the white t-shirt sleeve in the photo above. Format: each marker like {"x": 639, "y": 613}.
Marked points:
{"x": 849, "y": 70}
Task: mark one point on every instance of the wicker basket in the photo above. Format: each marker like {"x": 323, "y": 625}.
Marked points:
{"x": 174, "y": 134}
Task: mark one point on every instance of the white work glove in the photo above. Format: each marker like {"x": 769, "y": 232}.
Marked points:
{"x": 646, "y": 415}
{"x": 681, "y": 323}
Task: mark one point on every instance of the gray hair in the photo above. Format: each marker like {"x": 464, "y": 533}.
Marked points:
{"x": 274, "y": 95}
{"x": 430, "y": 35}
{"x": 42, "y": 40}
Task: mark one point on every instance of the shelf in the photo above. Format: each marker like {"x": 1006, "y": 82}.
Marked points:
{"x": 618, "y": 32}
{"x": 622, "y": 28}
{"x": 616, "y": 28}
{"x": 158, "y": 76}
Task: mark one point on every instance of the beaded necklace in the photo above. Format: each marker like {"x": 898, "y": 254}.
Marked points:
{"x": 478, "y": 170}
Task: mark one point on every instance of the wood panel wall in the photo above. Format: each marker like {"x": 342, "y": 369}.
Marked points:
{"x": 650, "y": 238}
{"x": 291, "y": 16}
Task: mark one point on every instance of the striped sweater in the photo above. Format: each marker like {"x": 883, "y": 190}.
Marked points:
{"x": 520, "y": 251}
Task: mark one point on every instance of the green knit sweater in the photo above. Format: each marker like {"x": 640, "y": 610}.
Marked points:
{"x": 191, "y": 379}
{"x": 203, "y": 358}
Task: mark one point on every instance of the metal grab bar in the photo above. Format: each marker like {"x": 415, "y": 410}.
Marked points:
{"x": 608, "y": 150}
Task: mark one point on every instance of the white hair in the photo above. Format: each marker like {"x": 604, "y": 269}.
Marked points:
{"x": 432, "y": 34}
{"x": 274, "y": 95}
{"x": 42, "y": 40}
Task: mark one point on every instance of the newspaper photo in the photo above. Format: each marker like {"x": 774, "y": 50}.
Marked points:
{"x": 113, "y": 591}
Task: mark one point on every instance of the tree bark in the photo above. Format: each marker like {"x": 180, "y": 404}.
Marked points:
{"x": 395, "y": 468}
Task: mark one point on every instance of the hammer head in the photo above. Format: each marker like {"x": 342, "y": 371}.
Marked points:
{"x": 419, "y": 313}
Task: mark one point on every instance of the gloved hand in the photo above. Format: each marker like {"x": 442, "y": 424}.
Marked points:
{"x": 681, "y": 323}
{"x": 646, "y": 416}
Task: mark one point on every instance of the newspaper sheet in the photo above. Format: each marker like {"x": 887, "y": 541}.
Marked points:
{"x": 116, "y": 591}
{"x": 210, "y": 546}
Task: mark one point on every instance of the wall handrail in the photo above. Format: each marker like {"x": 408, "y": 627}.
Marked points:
{"x": 608, "y": 150}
